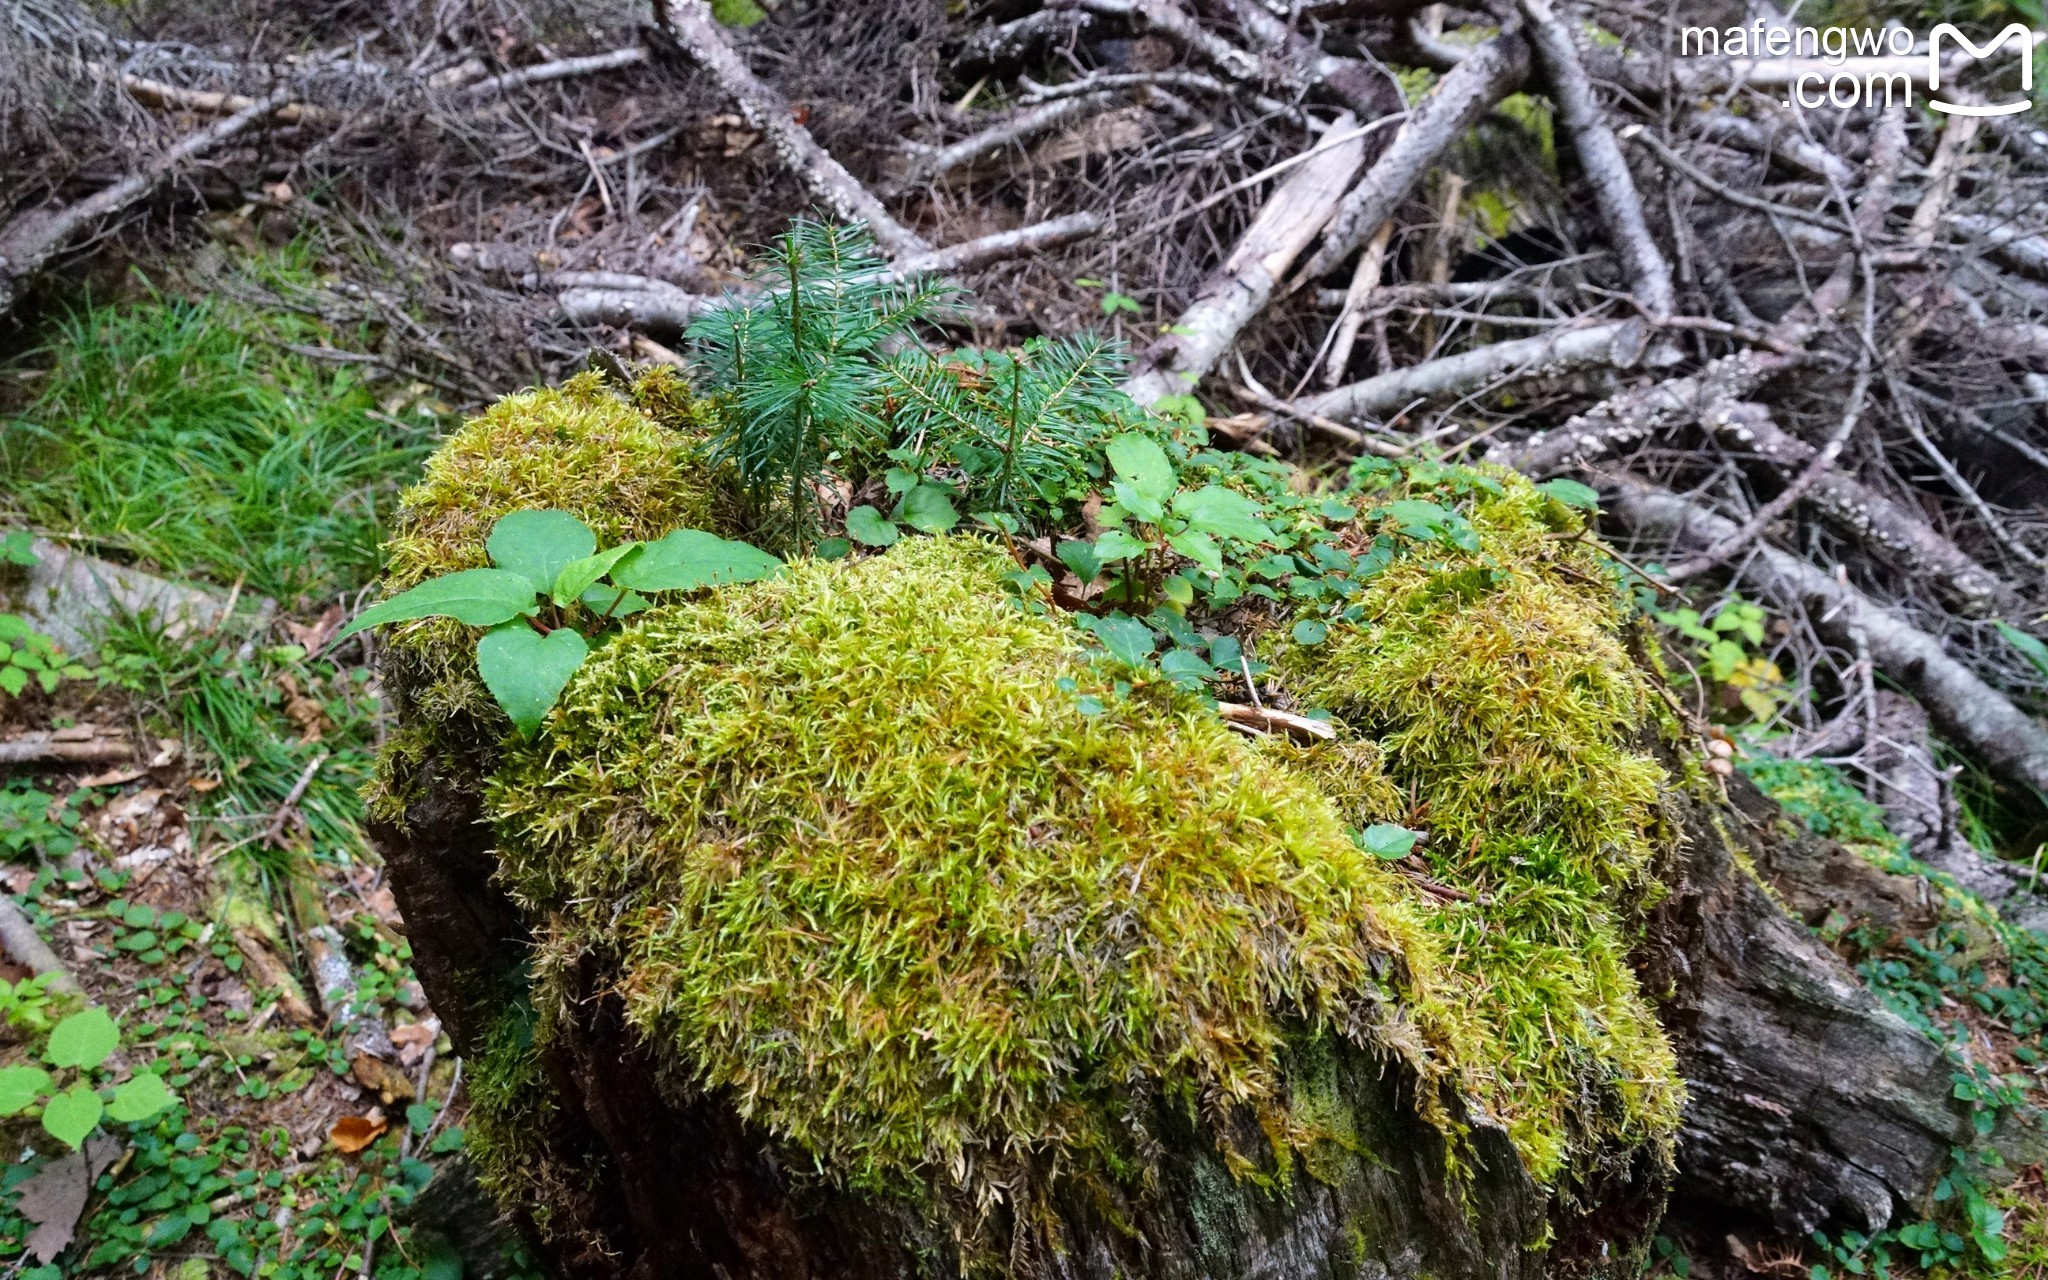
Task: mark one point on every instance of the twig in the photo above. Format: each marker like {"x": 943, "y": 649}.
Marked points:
{"x": 701, "y": 37}
{"x": 1614, "y": 191}
{"x": 273, "y": 834}
{"x": 21, "y": 941}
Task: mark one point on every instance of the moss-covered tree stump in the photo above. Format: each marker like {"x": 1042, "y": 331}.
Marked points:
{"x": 858, "y": 924}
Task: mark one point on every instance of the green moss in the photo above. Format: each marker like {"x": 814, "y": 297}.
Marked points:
{"x": 1501, "y": 692}
{"x": 864, "y": 864}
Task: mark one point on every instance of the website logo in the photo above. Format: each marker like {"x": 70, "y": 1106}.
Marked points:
{"x": 2016, "y": 31}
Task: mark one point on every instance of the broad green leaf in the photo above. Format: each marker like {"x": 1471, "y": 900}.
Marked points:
{"x": 539, "y": 544}
{"x": 71, "y": 1115}
{"x": 579, "y": 576}
{"x": 438, "y": 1257}
{"x": 139, "y": 1097}
{"x": 20, "y": 1086}
{"x": 611, "y": 602}
{"x": 1186, "y": 669}
{"x": 1128, "y": 640}
{"x": 479, "y": 597}
{"x": 1310, "y": 631}
{"x": 832, "y": 549}
{"x": 2033, "y": 650}
{"x": 1223, "y": 512}
{"x": 1571, "y": 493}
{"x": 1141, "y": 463}
{"x": 1132, "y": 502}
{"x": 83, "y": 1040}
{"x": 1416, "y": 516}
{"x": 871, "y": 528}
{"x": 526, "y": 671}
{"x": 1385, "y": 840}
{"x": 1198, "y": 547}
{"x": 930, "y": 508}
{"x": 1115, "y": 546}
{"x": 690, "y": 559}
{"x": 1081, "y": 558}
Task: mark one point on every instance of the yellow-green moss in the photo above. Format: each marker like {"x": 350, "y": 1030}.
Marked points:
{"x": 857, "y": 857}
{"x": 1500, "y": 690}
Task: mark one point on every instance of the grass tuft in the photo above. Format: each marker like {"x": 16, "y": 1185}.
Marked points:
{"x": 186, "y": 436}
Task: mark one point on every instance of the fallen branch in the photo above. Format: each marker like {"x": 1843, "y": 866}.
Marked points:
{"x": 1970, "y": 713}
{"x": 1616, "y": 344}
{"x": 544, "y": 72}
{"x": 65, "y": 746}
{"x": 29, "y": 243}
{"x": 703, "y": 40}
{"x": 1614, "y": 190}
{"x": 1491, "y": 72}
{"x": 20, "y": 939}
{"x": 1245, "y": 283}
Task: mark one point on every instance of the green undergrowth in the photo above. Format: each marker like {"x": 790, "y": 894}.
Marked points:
{"x": 1970, "y": 971}
{"x": 254, "y": 721}
{"x": 189, "y": 437}
{"x": 952, "y": 895}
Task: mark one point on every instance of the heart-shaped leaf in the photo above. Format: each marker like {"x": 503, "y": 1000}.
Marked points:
{"x": 71, "y": 1115}
{"x": 690, "y": 559}
{"x": 1571, "y": 493}
{"x": 526, "y": 671}
{"x": 1198, "y": 547}
{"x": 1386, "y": 840}
{"x": 1223, "y": 512}
{"x": 1142, "y": 464}
{"x": 140, "y": 1097}
{"x": 20, "y": 1086}
{"x": 930, "y": 508}
{"x": 83, "y": 1040}
{"x": 1081, "y": 558}
{"x": 479, "y": 597}
{"x": 579, "y": 576}
{"x": 1128, "y": 640}
{"x": 1115, "y": 546}
{"x": 871, "y": 528}
{"x": 539, "y": 545}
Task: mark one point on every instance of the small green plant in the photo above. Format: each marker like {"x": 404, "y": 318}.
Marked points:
{"x": 17, "y": 548}
{"x": 802, "y": 370}
{"x": 1112, "y": 301}
{"x": 1732, "y": 644}
{"x": 26, "y": 654}
{"x": 25, "y": 1005}
{"x": 78, "y": 1047}
{"x": 552, "y": 592}
{"x": 1154, "y": 519}
{"x": 35, "y": 824}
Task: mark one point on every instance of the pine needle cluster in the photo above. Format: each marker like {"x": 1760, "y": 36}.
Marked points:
{"x": 827, "y": 373}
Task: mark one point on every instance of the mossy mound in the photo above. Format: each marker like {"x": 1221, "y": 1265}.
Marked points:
{"x": 853, "y": 846}
{"x": 883, "y": 861}
{"x": 1501, "y": 691}
{"x": 627, "y": 467}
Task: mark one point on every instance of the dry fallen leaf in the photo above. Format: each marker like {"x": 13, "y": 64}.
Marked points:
{"x": 414, "y": 1039}
{"x": 313, "y": 636}
{"x": 203, "y": 785}
{"x": 353, "y": 1133}
{"x": 52, "y": 1200}
{"x": 389, "y": 1083}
